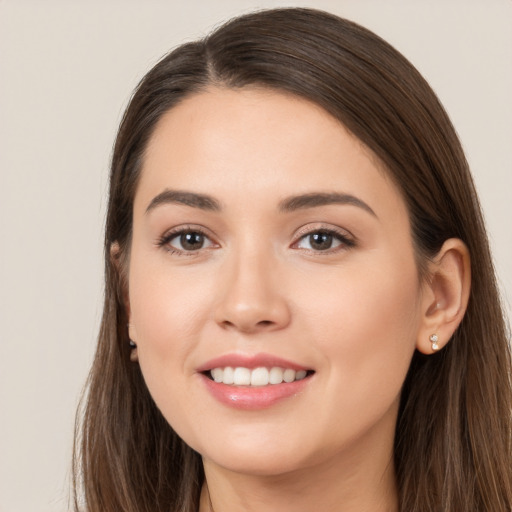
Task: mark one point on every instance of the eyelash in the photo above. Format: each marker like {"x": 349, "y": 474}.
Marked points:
{"x": 164, "y": 241}
{"x": 346, "y": 241}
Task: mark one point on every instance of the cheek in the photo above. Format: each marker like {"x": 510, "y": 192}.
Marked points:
{"x": 366, "y": 328}
{"x": 167, "y": 310}
{"x": 163, "y": 304}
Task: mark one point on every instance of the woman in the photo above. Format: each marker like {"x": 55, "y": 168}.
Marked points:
{"x": 301, "y": 311}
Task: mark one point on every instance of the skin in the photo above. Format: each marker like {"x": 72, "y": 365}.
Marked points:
{"x": 353, "y": 313}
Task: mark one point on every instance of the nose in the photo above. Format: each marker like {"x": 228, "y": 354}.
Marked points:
{"x": 251, "y": 299}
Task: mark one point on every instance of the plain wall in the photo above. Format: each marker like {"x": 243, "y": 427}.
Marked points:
{"x": 67, "y": 69}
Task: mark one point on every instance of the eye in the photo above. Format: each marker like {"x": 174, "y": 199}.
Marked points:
{"x": 323, "y": 240}
{"x": 186, "y": 241}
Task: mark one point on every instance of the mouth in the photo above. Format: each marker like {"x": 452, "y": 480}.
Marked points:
{"x": 255, "y": 377}
{"x": 254, "y": 381}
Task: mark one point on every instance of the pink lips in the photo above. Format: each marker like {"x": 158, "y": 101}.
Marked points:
{"x": 247, "y": 397}
{"x": 250, "y": 362}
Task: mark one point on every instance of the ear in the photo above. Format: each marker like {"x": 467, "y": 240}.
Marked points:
{"x": 116, "y": 260}
{"x": 445, "y": 296}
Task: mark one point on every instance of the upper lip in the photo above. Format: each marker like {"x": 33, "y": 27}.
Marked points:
{"x": 249, "y": 361}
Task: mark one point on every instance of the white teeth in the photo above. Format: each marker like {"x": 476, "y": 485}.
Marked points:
{"x": 289, "y": 375}
{"x": 261, "y": 376}
{"x": 229, "y": 375}
{"x": 242, "y": 377}
{"x": 217, "y": 374}
{"x": 300, "y": 374}
{"x": 276, "y": 376}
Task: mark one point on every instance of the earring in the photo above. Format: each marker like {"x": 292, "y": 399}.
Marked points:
{"x": 134, "y": 357}
{"x": 434, "y": 339}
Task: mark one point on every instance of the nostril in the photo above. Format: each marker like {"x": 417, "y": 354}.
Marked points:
{"x": 248, "y": 326}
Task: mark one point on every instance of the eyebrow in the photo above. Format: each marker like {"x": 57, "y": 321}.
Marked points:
{"x": 193, "y": 199}
{"x": 315, "y": 199}
{"x": 290, "y": 204}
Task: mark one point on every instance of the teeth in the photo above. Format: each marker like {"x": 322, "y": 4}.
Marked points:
{"x": 241, "y": 377}
{"x": 229, "y": 375}
{"x": 218, "y": 374}
{"x": 276, "y": 376}
{"x": 300, "y": 374}
{"x": 289, "y": 375}
{"x": 262, "y": 376}
{"x": 259, "y": 377}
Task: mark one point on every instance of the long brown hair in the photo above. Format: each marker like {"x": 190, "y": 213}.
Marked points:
{"x": 453, "y": 436}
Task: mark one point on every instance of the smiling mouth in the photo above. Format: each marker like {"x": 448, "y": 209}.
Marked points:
{"x": 256, "y": 377}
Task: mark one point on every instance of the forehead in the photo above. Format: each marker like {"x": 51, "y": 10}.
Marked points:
{"x": 252, "y": 143}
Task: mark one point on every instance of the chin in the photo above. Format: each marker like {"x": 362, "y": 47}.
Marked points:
{"x": 258, "y": 455}
{"x": 255, "y": 464}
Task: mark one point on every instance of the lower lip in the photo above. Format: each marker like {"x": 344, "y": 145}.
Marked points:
{"x": 254, "y": 397}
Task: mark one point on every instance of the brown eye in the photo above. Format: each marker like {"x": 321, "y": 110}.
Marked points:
{"x": 320, "y": 241}
{"x": 188, "y": 241}
{"x": 323, "y": 240}
{"x": 191, "y": 241}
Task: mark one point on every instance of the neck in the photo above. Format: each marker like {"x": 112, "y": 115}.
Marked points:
{"x": 355, "y": 480}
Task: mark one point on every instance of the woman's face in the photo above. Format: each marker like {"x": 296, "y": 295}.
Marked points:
{"x": 269, "y": 241}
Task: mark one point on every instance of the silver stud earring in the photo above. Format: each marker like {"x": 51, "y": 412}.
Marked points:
{"x": 133, "y": 344}
{"x": 434, "y": 339}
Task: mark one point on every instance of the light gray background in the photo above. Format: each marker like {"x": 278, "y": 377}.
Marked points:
{"x": 67, "y": 69}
